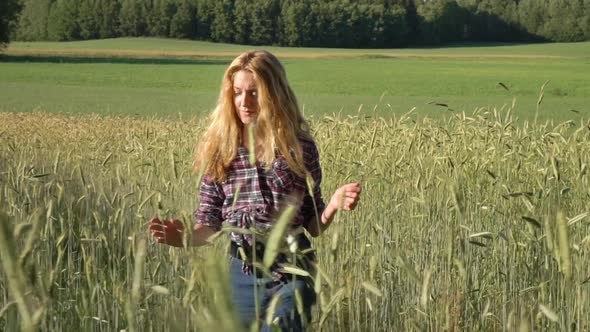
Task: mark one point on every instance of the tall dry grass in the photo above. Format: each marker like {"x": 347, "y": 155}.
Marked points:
{"x": 470, "y": 223}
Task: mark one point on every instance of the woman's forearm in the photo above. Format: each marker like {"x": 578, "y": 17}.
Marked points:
{"x": 345, "y": 198}
{"x": 201, "y": 235}
{"x": 317, "y": 227}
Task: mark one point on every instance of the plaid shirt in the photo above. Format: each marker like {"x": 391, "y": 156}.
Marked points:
{"x": 254, "y": 196}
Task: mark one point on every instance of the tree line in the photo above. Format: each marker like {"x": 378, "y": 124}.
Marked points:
{"x": 320, "y": 23}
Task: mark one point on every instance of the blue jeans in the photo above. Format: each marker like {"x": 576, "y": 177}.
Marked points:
{"x": 289, "y": 319}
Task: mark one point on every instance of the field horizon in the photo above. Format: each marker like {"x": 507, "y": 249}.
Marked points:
{"x": 142, "y": 47}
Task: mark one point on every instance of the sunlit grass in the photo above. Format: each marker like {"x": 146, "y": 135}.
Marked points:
{"x": 474, "y": 222}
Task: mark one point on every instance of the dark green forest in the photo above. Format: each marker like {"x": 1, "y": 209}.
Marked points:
{"x": 320, "y": 23}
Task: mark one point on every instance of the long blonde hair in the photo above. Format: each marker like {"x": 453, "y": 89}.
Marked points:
{"x": 278, "y": 125}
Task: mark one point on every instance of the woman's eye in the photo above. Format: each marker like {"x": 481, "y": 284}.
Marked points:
{"x": 254, "y": 93}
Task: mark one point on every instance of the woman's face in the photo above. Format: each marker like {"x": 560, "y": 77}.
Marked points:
{"x": 245, "y": 96}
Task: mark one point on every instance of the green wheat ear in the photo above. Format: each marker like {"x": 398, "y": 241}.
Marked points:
{"x": 20, "y": 290}
{"x": 564, "y": 247}
{"x": 277, "y": 235}
{"x": 252, "y": 147}
{"x": 134, "y": 298}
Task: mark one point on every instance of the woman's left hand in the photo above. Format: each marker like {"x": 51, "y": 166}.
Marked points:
{"x": 346, "y": 197}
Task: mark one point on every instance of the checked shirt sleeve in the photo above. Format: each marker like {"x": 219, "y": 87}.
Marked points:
{"x": 211, "y": 197}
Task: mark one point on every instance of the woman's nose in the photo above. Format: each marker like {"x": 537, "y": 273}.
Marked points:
{"x": 246, "y": 100}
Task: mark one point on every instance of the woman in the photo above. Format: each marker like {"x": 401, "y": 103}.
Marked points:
{"x": 258, "y": 116}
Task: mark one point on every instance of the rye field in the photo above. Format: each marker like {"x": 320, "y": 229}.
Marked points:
{"x": 471, "y": 219}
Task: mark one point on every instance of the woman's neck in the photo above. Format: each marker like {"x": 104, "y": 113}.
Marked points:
{"x": 248, "y": 145}
{"x": 245, "y": 137}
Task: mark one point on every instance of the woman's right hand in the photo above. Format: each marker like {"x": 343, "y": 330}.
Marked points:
{"x": 169, "y": 232}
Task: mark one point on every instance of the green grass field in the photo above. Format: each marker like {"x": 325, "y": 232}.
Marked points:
{"x": 137, "y": 77}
